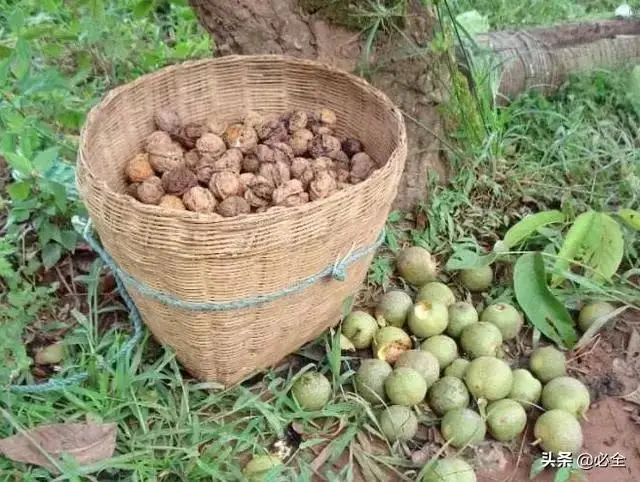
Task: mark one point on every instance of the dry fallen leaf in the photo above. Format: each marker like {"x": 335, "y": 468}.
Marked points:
{"x": 86, "y": 443}
{"x": 633, "y": 397}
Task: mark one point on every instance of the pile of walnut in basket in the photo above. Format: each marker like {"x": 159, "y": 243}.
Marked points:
{"x": 265, "y": 161}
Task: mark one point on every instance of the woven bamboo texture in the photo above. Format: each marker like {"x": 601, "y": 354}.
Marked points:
{"x": 197, "y": 258}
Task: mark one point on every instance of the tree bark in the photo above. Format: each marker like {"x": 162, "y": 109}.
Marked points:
{"x": 411, "y": 81}
{"x": 543, "y": 58}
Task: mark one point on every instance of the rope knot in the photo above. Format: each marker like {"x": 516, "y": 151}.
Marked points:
{"x": 339, "y": 272}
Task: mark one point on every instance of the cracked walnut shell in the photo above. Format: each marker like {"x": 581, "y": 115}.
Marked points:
{"x": 241, "y": 137}
{"x": 199, "y": 200}
{"x": 179, "y": 180}
{"x": 138, "y": 168}
{"x": 351, "y": 146}
{"x": 254, "y": 200}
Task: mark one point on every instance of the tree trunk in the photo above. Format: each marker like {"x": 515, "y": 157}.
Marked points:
{"x": 543, "y": 58}
{"x": 411, "y": 81}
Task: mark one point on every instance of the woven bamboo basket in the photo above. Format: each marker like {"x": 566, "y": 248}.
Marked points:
{"x": 198, "y": 259}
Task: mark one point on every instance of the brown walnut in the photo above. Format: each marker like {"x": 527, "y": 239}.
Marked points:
{"x": 241, "y": 137}
{"x": 199, "y": 200}
{"x": 225, "y": 184}
{"x": 322, "y": 186}
{"x": 138, "y": 168}
{"x": 216, "y": 126}
{"x": 156, "y": 138}
{"x": 166, "y": 156}
{"x": 262, "y": 187}
{"x": 229, "y": 161}
{"x": 300, "y": 141}
{"x": 351, "y": 146}
{"x": 233, "y": 206}
{"x": 289, "y": 188}
{"x": 178, "y": 180}
{"x": 277, "y": 173}
{"x": 150, "y": 191}
{"x": 170, "y": 201}
{"x": 211, "y": 145}
{"x": 167, "y": 120}
{"x": 324, "y": 145}
{"x": 250, "y": 163}
{"x": 192, "y": 158}
{"x": 297, "y": 121}
{"x": 190, "y": 133}
{"x": 361, "y": 167}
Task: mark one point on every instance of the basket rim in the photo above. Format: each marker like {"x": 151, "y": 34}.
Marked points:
{"x": 398, "y": 153}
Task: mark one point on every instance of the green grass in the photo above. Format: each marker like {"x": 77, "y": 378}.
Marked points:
{"x": 573, "y": 151}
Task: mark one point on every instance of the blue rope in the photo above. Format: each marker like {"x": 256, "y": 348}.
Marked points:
{"x": 336, "y": 271}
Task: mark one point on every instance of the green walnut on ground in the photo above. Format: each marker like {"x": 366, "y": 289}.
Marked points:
{"x": 462, "y": 426}
{"x": 442, "y": 347}
{"x": 416, "y": 266}
{"x": 457, "y": 368}
{"x": 477, "y": 279}
{"x": 359, "y": 327}
{"x": 481, "y": 339}
{"x": 568, "y": 394}
{"x": 405, "y": 386}
{"x": 488, "y": 377}
{"x": 425, "y": 363}
{"x": 312, "y": 391}
{"x": 592, "y": 311}
{"x": 526, "y": 388}
{"x": 505, "y": 317}
{"x": 506, "y": 419}
{"x": 428, "y": 318}
{"x": 450, "y": 469}
{"x": 436, "y": 292}
{"x": 446, "y": 394}
{"x": 393, "y": 308}
{"x": 461, "y": 315}
{"x": 369, "y": 380}
{"x": 558, "y": 431}
{"x": 259, "y": 466}
{"x": 547, "y": 363}
{"x": 398, "y": 422}
{"x": 390, "y": 342}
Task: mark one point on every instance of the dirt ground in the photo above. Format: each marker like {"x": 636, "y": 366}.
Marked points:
{"x": 610, "y": 367}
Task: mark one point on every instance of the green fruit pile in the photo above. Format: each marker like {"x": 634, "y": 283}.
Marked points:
{"x": 434, "y": 352}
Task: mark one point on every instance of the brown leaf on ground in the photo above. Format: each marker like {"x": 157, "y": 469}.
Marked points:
{"x": 86, "y": 443}
{"x": 633, "y": 397}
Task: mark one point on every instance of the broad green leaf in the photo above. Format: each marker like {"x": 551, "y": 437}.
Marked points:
{"x": 537, "y": 467}
{"x": 604, "y": 246}
{"x": 630, "y": 217}
{"x": 51, "y": 253}
{"x": 467, "y": 259}
{"x": 19, "y": 191}
{"x": 529, "y": 225}
{"x": 543, "y": 309}
{"x": 68, "y": 239}
{"x": 22, "y": 61}
{"x": 573, "y": 243}
{"x": 45, "y": 158}
{"x": 19, "y": 163}
{"x": 143, "y": 7}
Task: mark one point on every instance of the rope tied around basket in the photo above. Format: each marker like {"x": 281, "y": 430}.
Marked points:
{"x": 336, "y": 271}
